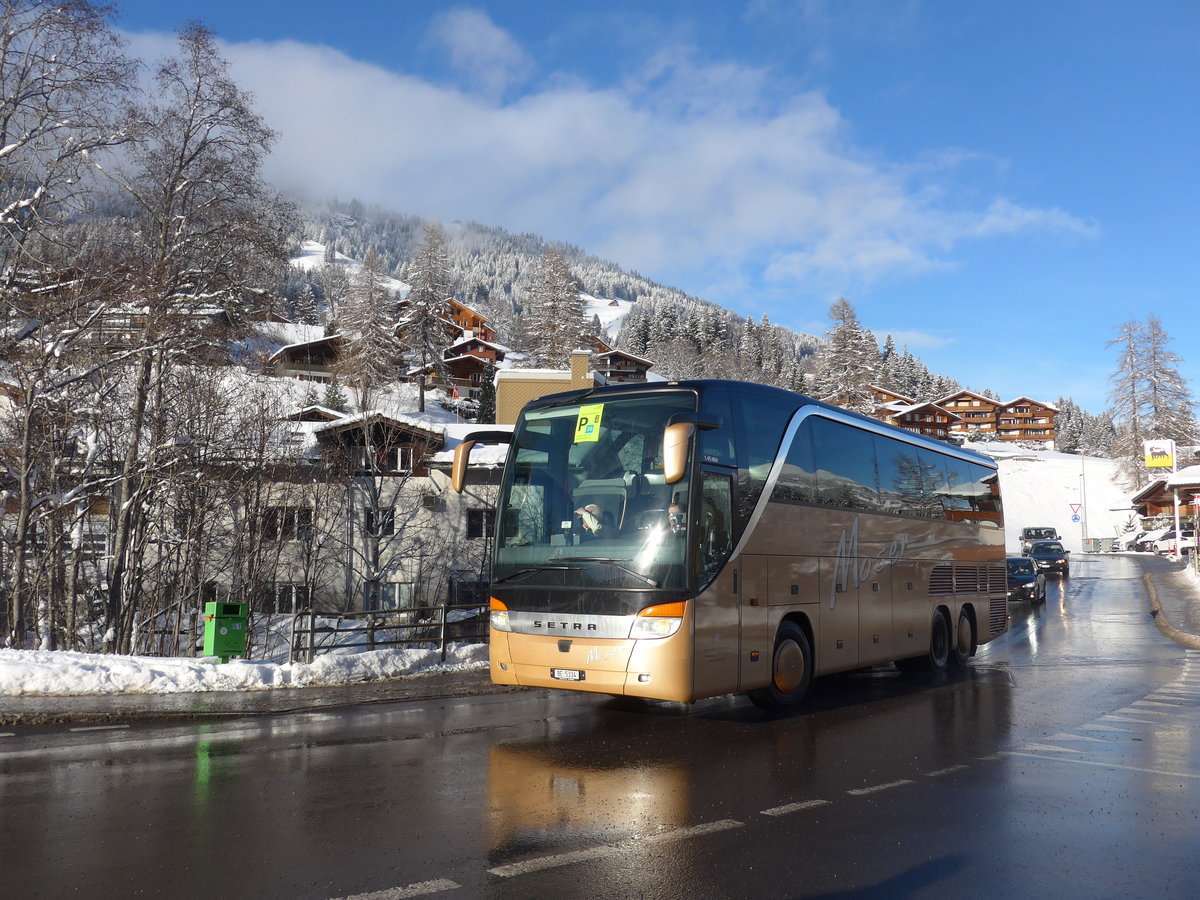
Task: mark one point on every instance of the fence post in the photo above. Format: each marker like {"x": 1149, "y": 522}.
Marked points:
{"x": 442, "y": 627}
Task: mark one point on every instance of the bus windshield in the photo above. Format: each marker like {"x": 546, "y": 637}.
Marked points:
{"x": 586, "y": 504}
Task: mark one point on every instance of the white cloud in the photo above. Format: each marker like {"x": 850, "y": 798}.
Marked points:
{"x": 916, "y": 340}
{"x": 486, "y": 54}
{"x": 684, "y": 167}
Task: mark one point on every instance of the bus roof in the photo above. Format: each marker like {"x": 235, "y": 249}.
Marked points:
{"x": 701, "y": 385}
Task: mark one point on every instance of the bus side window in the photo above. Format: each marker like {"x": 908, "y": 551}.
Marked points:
{"x": 715, "y": 517}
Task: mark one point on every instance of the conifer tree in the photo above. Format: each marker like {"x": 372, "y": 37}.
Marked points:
{"x": 369, "y": 348}
{"x": 848, "y": 361}
{"x": 555, "y": 310}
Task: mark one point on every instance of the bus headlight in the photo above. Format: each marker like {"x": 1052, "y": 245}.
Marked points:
{"x": 658, "y": 621}
{"x": 499, "y": 615}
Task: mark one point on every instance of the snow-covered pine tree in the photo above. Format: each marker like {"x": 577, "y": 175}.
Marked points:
{"x": 555, "y": 310}
{"x": 847, "y": 363}
{"x": 370, "y": 351}
{"x": 427, "y": 327}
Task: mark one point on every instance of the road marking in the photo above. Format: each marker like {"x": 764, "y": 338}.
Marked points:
{"x": 566, "y": 859}
{"x": 1166, "y": 704}
{"x": 876, "y": 788}
{"x": 794, "y": 807}
{"x": 99, "y": 728}
{"x": 1102, "y": 765}
{"x": 7, "y": 734}
{"x": 420, "y": 889}
{"x": 1114, "y": 717}
{"x": 1064, "y": 736}
{"x": 1107, "y": 728}
{"x": 946, "y": 771}
{"x": 1048, "y": 748}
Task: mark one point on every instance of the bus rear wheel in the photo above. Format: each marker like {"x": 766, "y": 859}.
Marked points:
{"x": 964, "y": 640}
{"x": 791, "y": 670}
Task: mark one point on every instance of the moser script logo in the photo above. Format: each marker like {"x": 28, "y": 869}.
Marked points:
{"x": 850, "y": 569}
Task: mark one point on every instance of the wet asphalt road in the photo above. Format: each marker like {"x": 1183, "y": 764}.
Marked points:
{"x": 1065, "y": 761}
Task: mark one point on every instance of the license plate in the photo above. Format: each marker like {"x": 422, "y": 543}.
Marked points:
{"x": 567, "y": 674}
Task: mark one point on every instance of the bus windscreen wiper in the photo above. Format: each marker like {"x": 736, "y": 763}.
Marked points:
{"x": 531, "y": 569}
{"x": 613, "y": 562}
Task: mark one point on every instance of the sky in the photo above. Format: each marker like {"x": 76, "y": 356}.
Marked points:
{"x": 998, "y": 186}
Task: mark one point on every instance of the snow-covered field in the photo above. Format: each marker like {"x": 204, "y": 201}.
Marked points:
{"x": 1038, "y": 487}
{"x": 1041, "y": 487}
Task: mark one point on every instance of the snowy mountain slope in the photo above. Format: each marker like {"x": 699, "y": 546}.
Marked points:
{"x": 1041, "y": 487}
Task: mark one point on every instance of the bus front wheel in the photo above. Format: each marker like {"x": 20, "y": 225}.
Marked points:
{"x": 791, "y": 670}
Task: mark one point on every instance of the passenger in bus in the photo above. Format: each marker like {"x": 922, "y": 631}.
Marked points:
{"x": 677, "y": 514}
{"x": 590, "y": 518}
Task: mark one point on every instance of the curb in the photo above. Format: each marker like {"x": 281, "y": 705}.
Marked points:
{"x": 1183, "y": 638}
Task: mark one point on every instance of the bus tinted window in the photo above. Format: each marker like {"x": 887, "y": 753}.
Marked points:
{"x": 764, "y": 420}
{"x": 905, "y": 480}
{"x": 798, "y": 478}
{"x": 716, "y": 444}
{"x": 846, "y": 470}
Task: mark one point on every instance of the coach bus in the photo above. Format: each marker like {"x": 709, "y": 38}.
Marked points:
{"x": 682, "y": 540}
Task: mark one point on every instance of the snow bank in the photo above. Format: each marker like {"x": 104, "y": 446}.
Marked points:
{"x": 1042, "y": 487}
{"x": 61, "y": 672}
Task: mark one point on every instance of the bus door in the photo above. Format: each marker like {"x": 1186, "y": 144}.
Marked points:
{"x": 838, "y": 628}
{"x": 717, "y": 614}
{"x": 757, "y": 644}
{"x": 875, "y": 615}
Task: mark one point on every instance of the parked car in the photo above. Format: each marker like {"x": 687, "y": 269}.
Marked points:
{"x": 1036, "y": 533}
{"x": 1050, "y": 556}
{"x": 1166, "y": 543}
{"x": 1145, "y": 542}
{"x": 1115, "y": 545}
{"x": 1025, "y": 582}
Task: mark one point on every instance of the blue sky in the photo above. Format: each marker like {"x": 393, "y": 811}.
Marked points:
{"x": 998, "y": 185}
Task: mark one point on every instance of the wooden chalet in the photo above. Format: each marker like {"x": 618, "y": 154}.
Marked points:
{"x": 307, "y": 361}
{"x": 1024, "y": 419}
{"x": 618, "y": 366}
{"x": 381, "y": 444}
{"x": 977, "y": 412}
{"x": 927, "y": 419}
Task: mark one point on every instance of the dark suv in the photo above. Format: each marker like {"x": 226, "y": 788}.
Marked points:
{"x": 1029, "y": 535}
{"x": 1049, "y": 556}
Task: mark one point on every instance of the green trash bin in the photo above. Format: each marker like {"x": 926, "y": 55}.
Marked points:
{"x": 225, "y": 629}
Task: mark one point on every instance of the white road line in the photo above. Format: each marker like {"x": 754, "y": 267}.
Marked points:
{"x": 99, "y": 728}
{"x": 876, "y": 788}
{"x": 420, "y": 889}
{"x": 946, "y": 771}
{"x": 1064, "y": 736}
{"x": 1103, "y": 765}
{"x": 992, "y": 758}
{"x": 1046, "y": 748}
{"x": 1130, "y": 711}
{"x": 1114, "y": 717}
{"x": 7, "y": 734}
{"x": 794, "y": 807}
{"x": 566, "y": 859}
{"x": 1108, "y": 728}
{"x": 1164, "y": 704}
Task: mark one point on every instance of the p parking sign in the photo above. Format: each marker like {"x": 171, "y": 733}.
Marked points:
{"x": 587, "y": 426}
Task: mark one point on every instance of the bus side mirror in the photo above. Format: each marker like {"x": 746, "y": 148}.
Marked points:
{"x": 675, "y": 450}
{"x": 462, "y": 454}
{"x": 458, "y": 472}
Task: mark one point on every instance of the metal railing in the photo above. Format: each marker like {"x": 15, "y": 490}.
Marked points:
{"x": 430, "y": 627}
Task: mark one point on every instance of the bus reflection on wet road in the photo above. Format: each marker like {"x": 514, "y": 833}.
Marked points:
{"x": 1065, "y": 759}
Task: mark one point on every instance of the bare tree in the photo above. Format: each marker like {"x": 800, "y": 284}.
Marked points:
{"x": 208, "y": 232}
